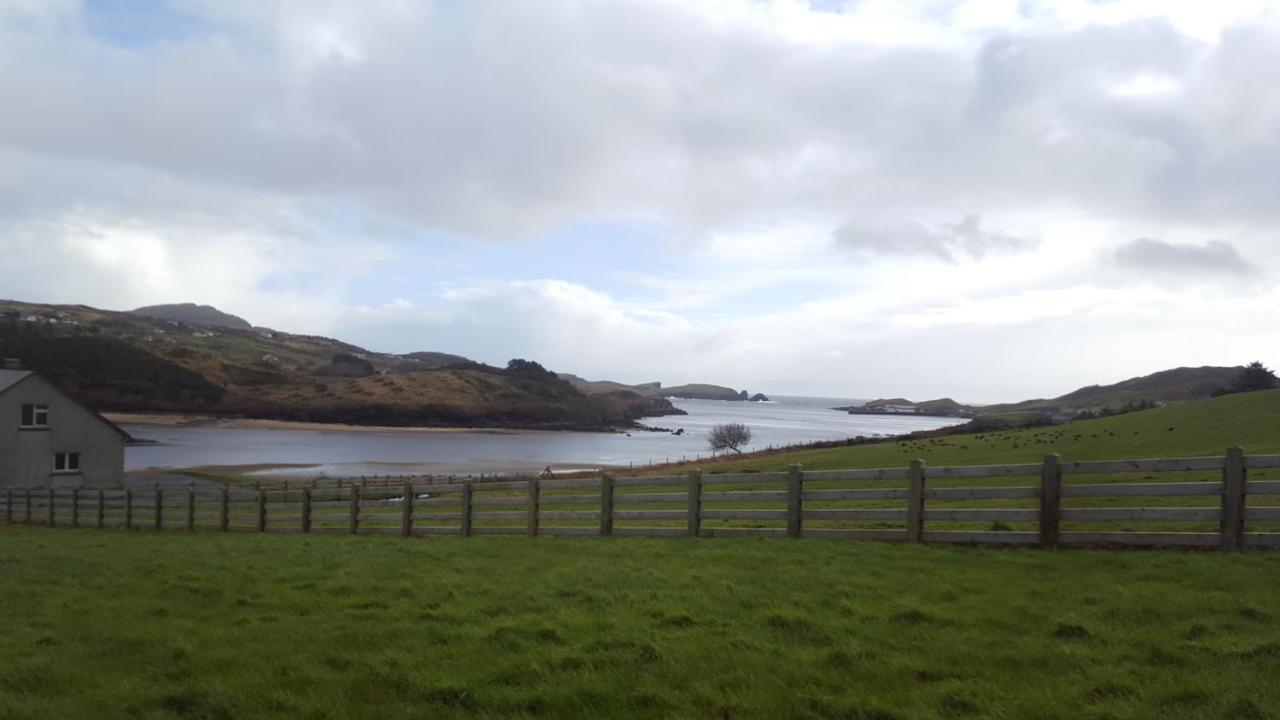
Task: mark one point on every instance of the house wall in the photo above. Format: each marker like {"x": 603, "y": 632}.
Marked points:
{"x": 26, "y": 456}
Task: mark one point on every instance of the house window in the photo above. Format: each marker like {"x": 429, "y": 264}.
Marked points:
{"x": 35, "y": 416}
{"x": 66, "y": 462}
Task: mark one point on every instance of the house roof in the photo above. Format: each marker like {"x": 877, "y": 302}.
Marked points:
{"x": 10, "y": 378}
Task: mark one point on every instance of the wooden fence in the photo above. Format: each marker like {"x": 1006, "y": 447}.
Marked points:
{"x": 1191, "y": 502}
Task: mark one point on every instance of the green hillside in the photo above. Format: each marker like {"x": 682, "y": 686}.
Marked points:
{"x": 1199, "y": 428}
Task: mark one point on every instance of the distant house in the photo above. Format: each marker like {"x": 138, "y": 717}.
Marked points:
{"x": 48, "y": 439}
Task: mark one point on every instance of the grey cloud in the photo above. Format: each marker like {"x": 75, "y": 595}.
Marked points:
{"x": 947, "y": 241}
{"x": 1216, "y": 257}
{"x": 513, "y": 117}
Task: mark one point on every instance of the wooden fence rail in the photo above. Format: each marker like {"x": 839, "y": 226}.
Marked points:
{"x": 1047, "y": 505}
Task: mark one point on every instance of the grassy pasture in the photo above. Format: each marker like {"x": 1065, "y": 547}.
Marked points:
{"x": 1201, "y": 428}
{"x": 114, "y": 624}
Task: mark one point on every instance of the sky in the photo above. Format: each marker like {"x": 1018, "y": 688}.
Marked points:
{"x": 984, "y": 199}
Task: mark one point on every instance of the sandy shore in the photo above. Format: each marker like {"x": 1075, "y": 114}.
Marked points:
{"x": 178, "y": 420}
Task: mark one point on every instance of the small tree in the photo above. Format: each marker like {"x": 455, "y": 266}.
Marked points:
{"x": 729, "y": 436}
{"x": 1255, "y": 376}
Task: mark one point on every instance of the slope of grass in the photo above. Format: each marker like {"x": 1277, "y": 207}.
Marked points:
{"x": 117, "y": 624}
{"x": 1200, "y": 428}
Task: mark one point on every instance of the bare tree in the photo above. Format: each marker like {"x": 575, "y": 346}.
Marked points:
{"x": 729, "y": 436}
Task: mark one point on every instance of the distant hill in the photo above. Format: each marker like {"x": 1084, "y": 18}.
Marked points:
{"x": 1167, "y": 386}
{"x": 193, "y": 314}
{"x": 131, "y": 361}
{"x": 692, "y": 391}
{"x": 433, "y": 360}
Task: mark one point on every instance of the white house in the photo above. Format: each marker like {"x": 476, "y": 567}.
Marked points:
{"x": 48, "y": 439}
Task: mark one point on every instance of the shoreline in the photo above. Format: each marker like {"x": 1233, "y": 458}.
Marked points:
{"x": 181, "y": 420}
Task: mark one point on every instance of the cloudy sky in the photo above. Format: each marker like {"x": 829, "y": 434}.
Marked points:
{"x": 985, "y": 199}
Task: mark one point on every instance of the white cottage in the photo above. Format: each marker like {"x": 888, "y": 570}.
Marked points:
{"x": 48, "y": 439}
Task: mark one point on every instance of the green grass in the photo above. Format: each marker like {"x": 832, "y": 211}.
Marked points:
{"x": 114, "y": 624}
{"x": 1201, "y": 428}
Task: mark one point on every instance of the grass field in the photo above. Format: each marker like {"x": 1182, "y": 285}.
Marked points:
{"x": 1201, "y": 428}
{"x": 115, "y": 624}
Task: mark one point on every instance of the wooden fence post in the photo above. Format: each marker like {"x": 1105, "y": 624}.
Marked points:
{"x": 102, "y": 510}
{"x": 262, "y": 510}
{"x": 26, "y": 506}
{"x": 52, "y": 499}
{"x": 128, "y": 508}
{"x": 75, "y": 507}
{"x": 158, "y": 497}
{"x": 8, "y": 506}
{"x": 695, "y": 503}
{"x": 464, "y": 520}
{"x": 606, "y": 505}
{"x": 1234, "y": 477}
{"x": 224, "y": 510}
{"x": 534, "y": 491}
{"x": 191, "y": 509}
{"x": 306, "y": 510}
{"x": 795, "y": 484}
{"x": 915, "y": 502}
{"x": 1050, "y": 500}
{"x": 355, "y": 508}
{"x": 406, "y": 511}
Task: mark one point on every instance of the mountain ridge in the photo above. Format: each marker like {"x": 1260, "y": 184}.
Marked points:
{"x": 130, "y": 362}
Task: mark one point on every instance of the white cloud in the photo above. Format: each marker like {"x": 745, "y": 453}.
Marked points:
{"x": 984, "y": 167}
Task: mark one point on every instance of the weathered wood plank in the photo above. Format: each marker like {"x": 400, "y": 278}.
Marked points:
{"x": 981, "y": 493}
{"x": 483, "y": 486}
{"x": 1262, "y": 462}
{"x": 650, "y": 532}
{"x": 569, "y": 515}
{"x": 481, "y": 530}
{"x": 855, "y": 534}
{"x": 740, "y": 478}
{"x": 1139, "y": 538}
{"x": 481, "y": 501}
{"x": 546, "y": 499}
{"x": 569, "y": 531}
{"x": 982, "y": 538}
{"x": 656, "y": 480}
{"x": 984, "y": 471}
{"x": 1176, "y": 489}
{"x": 437, "y": 516}
{"x": 1144, "y": 513}
{"x": 477, "y": 515}
{"x": 724, "y": 532}
{"x": 740, "y": 514}
{"x": 993, "y": 514}
{"x": 1262, "y": 513}
{"x": 745, "y": 496}
{"x": 861, "y": 494}
{"x": 570, "y": 484}
{"x": 1262, "y": 540}
{"x": 650, "y": 515}
{"x": 1269, "y": 487}
{"x": 870, "y": 474}
{"x": 680, "y": 497}
{"x": 1151, "y": 465}
{"x": 857, "y": 514}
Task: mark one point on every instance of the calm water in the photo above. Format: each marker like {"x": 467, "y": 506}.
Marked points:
{"x": 786, "y": 421}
